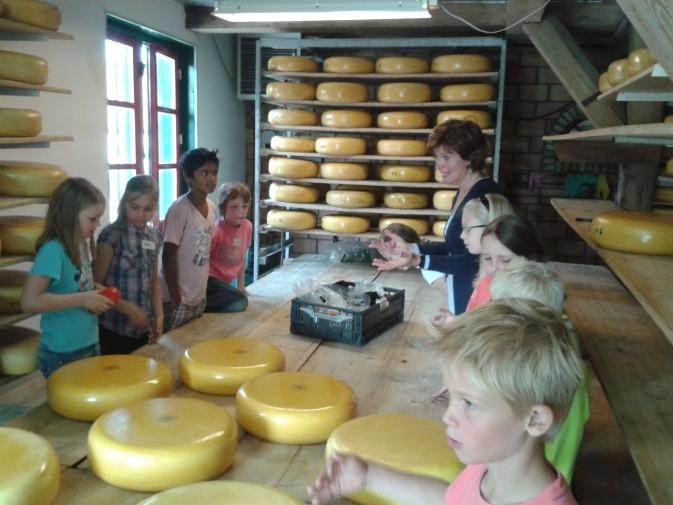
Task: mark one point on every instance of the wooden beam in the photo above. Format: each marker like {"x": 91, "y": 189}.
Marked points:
{"x": 574, "y": 70}
{"x": 517, "y": 9}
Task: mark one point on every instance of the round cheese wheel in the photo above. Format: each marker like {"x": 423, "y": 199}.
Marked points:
{"x": 11, "y": 287}
{"x": 402, "y": 120}
{"x": 221, "y": 366}
{"x": 401, "y": 65}
{"x": 34, "y": 12}
{"x": 604, "y": 83}
{"x": 347, "y": 65}
{"x": 341, "y": 92}
{"x": 404, "y": 92}
{"x": 345, "y": 224}
{"x": 23, "y": 68}
{"x": 226, "y": 492}
{"x": 293, "y": 144}
{"x": 350, "y": 199}
{"x": 617, "y": 71}
{"x": 291, "y": 193}
{"x": 405, "y": 173}
{"x": 634, "y": 232}
{"x": 29, "y": 469}
{"x": 399, "y": 200}
{"x": 342, "y": 146}
{"x": 20, "y": 122}
{"x": 19, "y": 234}
{"x": 162, "y": 443}
{"x": 346, "y": 119}
{"x": 482, "y": 118}
{"x": 352, "y": 171}
{"x": 639, "y": 60}
{"x": 290, "y": 91}
{"x": 669, "y": 168}
{"x": 419, "y": 225}
{"x": 438, "y": 228}
{"x": 294, "y": 407}
{"x": 460, "y": 64}
{"x": 292, "y": 168}
{"x": 462, "y": 93}
{"x": 407, "y": 444}
{"x": 292, "y": 117}
{"x": 397, "y": 147}
{"x": 291, "y": 64}
{"x": 19, "y": 178}
{"x": 18, "y": 350}
{"x": 291, "y": 220}
{"x": 663, "y": 195}
{"x": 443, "y": 200}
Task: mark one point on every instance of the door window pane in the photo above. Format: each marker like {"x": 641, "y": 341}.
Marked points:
{"x": 119, "y": 71}
{"x": 167, "y": 129}
{"x": 118, "y": 180}
{"x": 165, "y": 81}
{"x": 121, "y": 135}
{"x": 168, "y": 184}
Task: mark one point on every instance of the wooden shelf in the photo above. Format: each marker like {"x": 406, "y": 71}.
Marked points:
{"x": 10, "y": 202}
{"x": 10, "y": 319}
{"x": 11, "y": 30}
{"x": 12, "y": 259}
{"x": 318, "y": 232}
{"x": 381, "y": 105}
{"x": 359, "y": 157}
{"x": 16, "y": 87}
{"x": 652, "y": 133}
{"x": 381, "y": 211}
{"x": 381, "y": 131}
{"x": 39, "y": 141}
{"x": 367, "y": 182}
{"x": 650, "y": 85}
{"x": 647, "y": 277}
{"x": 325, "y": 76}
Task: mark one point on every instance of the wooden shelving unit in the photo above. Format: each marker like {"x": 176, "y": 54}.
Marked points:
{"x": 437, "y": 77}
{"x": 379, "y": 211}
{"x": 16, "y": 87}
{"x": 320, "y": 233}
{"x": 371, "y": 130}
{"x": 650, "y": 85}
{"x": 366, "y": 182}
{"x": 491, "y": 105}
{"x": 356, "y": 158}
{"x": 652, "y": 133}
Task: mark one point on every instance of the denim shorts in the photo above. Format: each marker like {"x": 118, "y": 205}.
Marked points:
{"x": 49, "y": 360}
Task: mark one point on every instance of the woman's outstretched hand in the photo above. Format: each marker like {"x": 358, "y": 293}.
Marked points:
{"x": 394, "y": 246}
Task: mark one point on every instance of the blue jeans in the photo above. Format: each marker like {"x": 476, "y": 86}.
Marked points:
{"x": 221, "y": 297}
{"x": 49, "y": 360}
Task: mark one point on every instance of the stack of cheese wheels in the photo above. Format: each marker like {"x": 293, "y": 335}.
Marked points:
{"x": 401, "y": 147}
{"x": 340, "y": 146}
{"x": 663, "y": 195}
{"x": 290, "y": 91}
{"x": 402, "y": 200}
{"x": 292, "y": 193}
{"x": 19, "y": 234}
{"x": 438, "y": 228}
{"x": 482, "y": 118}
{"x": 19, "y": 122}
{"x": 227, "y": 492}
{"x": 18, "y": 178}
{"x": 162, "y": 443}
{"x": 634, "y": 232}
{"x": 345, "y": 224}
{"x": 401, "y": 65}
{"x": 402, "y": 120}
{"x": 419, "y": 225}
{"x": 350, "y": 199}
{"x": 617, "y": 73}
{"x": 33, "y": 12}
{"x": 407, "y": 444}
{"x": 603, "y": 83}
{"x": 85, "y": 389}
{"x": 291, "y": 64}
{"x": 220, "y": 367}
{"x": 292, "y": 117}
{"x": 294, "y": 407}
{"x": 23, "y": 68}
{"x": 465, "y": 93}
{"x": 351, "y": 171}
{"x": 346, "y": 119}
{"x": 291, "y": 220}
{"x": 292, "y": 144}
{"x": 460, "y": 64}
{"x": 639, "y": 60}
{"x": 11, "y": 287}
{"x": 347, "y": 65}
{"x": 405, "y": 173}
{"x": 404, "y": 92}
{"x": 29, "y": 469}
{"x": 292, "y": 168}
{"x": 18, "y": 350}
{"x": 341, "y": 92}
{"x": 443, "y": 199}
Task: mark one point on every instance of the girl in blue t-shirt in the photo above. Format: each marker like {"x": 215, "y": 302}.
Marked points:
{"x": 60, "y": 284}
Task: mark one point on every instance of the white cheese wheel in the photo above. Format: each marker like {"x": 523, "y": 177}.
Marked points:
{"x": 11, "y": 287}
{"x": 347, "y": 65}
{"x": 342, "y": 146}
{"x": 419, "y": 225}
{"x": 397, "y": 147}
{"x": 402, "y": 120}
{"x": 292, "y": 117}
{"x": 341, "y": 92}
{"x": 405, "y": 173}
{"x": 639, "y": 60}
{"x": 404, "y": 92}
{"x": 634, "y": 232}
{"x": 29, "y": 469}
{"x": 221, "y": 366}
{"x": 291, "y": 64}
{"x": 20, "y": 122}
{"x": 663, "y": 195}
{"x": 482, "y": 118}
{"x": 461, "y": 64}
{"x": 33, "y": 12}
{"x": 617, "y": 73}
{"x": 352, "y": 171}
{"x": 346, "y": 119}
{"x": 18, "y": 178}
{"x": 293, "y": 144}
{"x": 23, "y": 68}
{"x": 463, "y": 93}
{"x": 443, "y": 200}
{"x": 400, "y": 200}
{"x": 291, "y": 220}
{"x": 438, "y": 228}
{"x": 19, "y": 234}
{"x": 292, "y": 168}
{"x": 604, "y": 83}
{"x": 345, "y": 224}
{"x": 292, "y": 193}
{"x": 161, "y": 443}
{"x": 401, "y": 65}
{"x": 18, "y": 350}
{"x": 350, "y": 199}
{"x": 669, "y": 168}
{"x": 290, "y": 91}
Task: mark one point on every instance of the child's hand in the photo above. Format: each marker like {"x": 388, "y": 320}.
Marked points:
{"x": 96, "y": 303}
{"x": 158, "y": 329}
{"x": 344, "y": 475}
{"x": 137, "y": 317}
{"x": 443, "y": 318}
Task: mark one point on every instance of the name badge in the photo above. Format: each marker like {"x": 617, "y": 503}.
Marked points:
{"x": 236, "y": 242}
{"x": 148, "y": 244}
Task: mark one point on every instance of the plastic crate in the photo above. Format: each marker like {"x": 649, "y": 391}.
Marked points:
{"x": 355, "y": 327}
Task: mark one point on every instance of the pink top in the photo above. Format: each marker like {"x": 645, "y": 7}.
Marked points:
{"x": 481, "y": 294}
{"x": 465, "y": 490}
{"x": 227, "y": 249}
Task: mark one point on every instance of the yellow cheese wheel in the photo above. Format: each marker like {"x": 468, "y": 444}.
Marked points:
{"x": 32, "y": 12}
{"x": 341, "y": 92}
{"x": 20, "y": 122}
{"x": 345, "y": 224}
{"x": 294, "y": 407}
{"x": 19, "y": 234}
{"x": 19, "y": 178}
{"x": 227, "y": 492}
{"x": 343, "y": 146}
{"x": 462, "y": 93}
{"x": 291, "y": 64}
{"x": 291, "y": 193}
{"x": 617, "y": 71}
{"x": 668, "y": 119}
{"x": 292, "y": 117}
{"x": 86, "y": 389}
{"x": 639, "y": 60}
{"x": 634, "y": 232}
{"x": 443, "y": 200}
{"x": 161, "y": 443}
{"x": 293, "y": 144}
{"x": 23, "y": 67}
{"x": 221, "y": 366}
{"x": 11, "y": 287}
{"x": 346, "y": 119}
{"x": 407, "y": 444}
{"x": 399, "y": 200}
{"x": 290, "y": 91}
{"x": 405, "y": 173}
{"x": 402, "y": 120}
{"x": 291, "y": 220}
{"x": 663, "y": 195}
{"x": 350, "y": 199}
{"x": 29, "y": 469}
{"x": 18, "y": 350}
{"x": 482, "y": 118}
{"x": 404, "y": 92}
{"x": 669, "y": 168}
{"x": 401, "y": 65}
{"x": 352, "y": 171}
{"x": 604, "y": 83}
{"x": 461, "y": 64}
{"x": 347, "y": 65}
{"x": 397, "y": 147}
{"x": 438, "y": 228}
{"x": 419, "y": 225}
{"x": 292, "y": 168}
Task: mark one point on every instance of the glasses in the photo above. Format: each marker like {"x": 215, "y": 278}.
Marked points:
{"x": 468, "y": 229}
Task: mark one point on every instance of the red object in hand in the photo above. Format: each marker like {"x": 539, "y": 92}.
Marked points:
{"x": 112, "y": 293}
